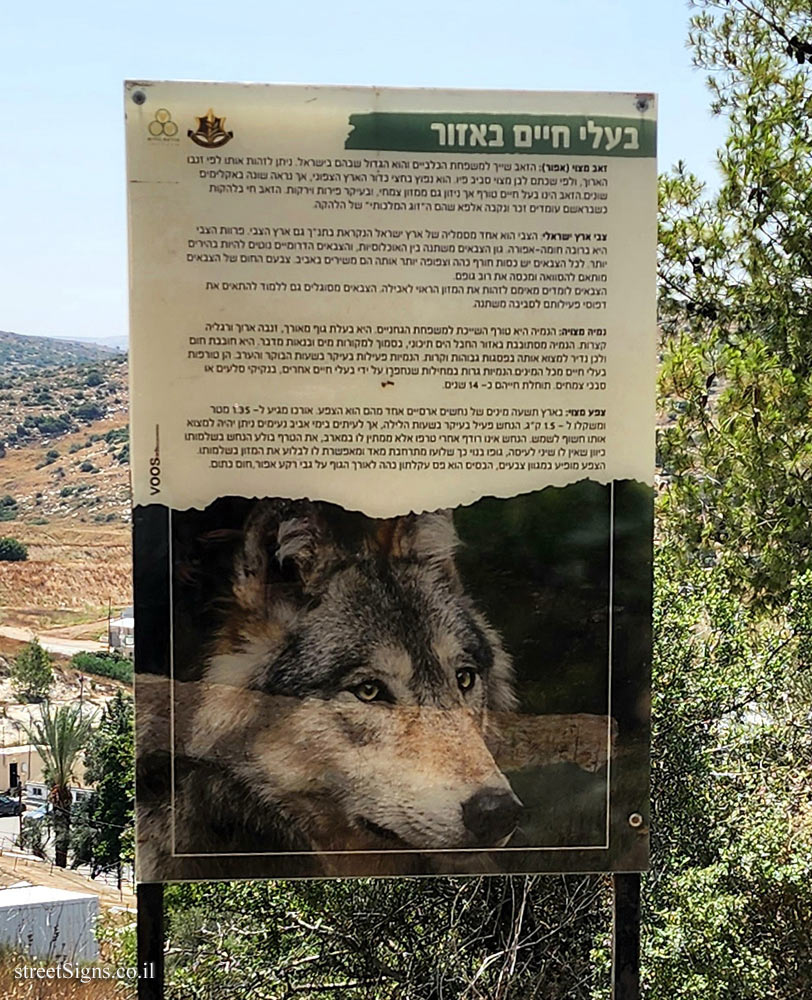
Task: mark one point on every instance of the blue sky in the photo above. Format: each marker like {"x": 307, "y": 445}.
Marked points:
{"x": 63, "y": 267}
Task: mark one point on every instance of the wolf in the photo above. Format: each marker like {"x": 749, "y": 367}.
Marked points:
{"x": 347, "y": 687}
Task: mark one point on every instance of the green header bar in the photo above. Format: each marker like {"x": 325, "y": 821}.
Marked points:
{"x": 563, "y": 135}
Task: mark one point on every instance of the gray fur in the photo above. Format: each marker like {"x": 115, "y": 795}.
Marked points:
{"x": 329, "y": 607}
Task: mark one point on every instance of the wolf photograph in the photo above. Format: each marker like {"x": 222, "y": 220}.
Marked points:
{"x": 448, "y": 691}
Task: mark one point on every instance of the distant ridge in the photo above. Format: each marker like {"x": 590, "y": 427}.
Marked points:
{"x": 120, "y": 344}
{"x": 43, "y": 352}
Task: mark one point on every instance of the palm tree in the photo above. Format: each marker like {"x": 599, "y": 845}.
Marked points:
{"x": 60, "y": 735}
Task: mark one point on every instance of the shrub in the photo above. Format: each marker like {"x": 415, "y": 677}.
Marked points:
{"x": 31, "y": 672}
{"x": 52, "y": 425}
{"x": 88, "y": 411}
{"x": 50, "y": 457}
{"x": 87, "y": 466}
{"x": 112, "y": 665}
{"x": 117, "y": 435}
{"x": 12, "y": 551}
{"x": 34, "y": 835}
{"x": 8, "y": 508}
{"x": 94, "y": 378}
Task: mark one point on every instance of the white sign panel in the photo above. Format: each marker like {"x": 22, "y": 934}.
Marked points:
{"x": 392, "y": 432}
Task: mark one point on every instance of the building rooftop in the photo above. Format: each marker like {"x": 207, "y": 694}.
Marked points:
{"x": 34, "y": 895}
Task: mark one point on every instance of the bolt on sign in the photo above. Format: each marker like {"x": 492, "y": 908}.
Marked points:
{"x": 392, "y": 419}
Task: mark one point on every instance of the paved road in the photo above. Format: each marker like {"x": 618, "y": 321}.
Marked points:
{"x": 53, "y": 643}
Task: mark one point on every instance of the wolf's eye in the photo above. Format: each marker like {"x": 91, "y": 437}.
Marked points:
{"x": 368, "y": 691}
{"x": 466, "y": 679}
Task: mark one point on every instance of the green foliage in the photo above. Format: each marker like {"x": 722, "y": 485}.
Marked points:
{"x": 112, "y": 665}
{"x": 9, "y": 508}
{"x": 49, "y": 426}
{"x": 60, "y": 735}
{"x": 31, "y": 673}
{"x": 117, "y": 941}
{"x": 736, "y": 309}
{"x": 88, "y": 412}
{"x": 510, "y": 938}
{"x": 729, "y": 906}
{"x": 94, "y": 378}
{"x": 110, "y": 767}
{"x": 731, "y": 795}
{"x": 82, "y": 834}
{"x": 88, "y": 466}
{"x": 12, "y": 550}
{"x": 34, "y": 835}
{"x": 50, "y": 457}
{"x": 118, "y": 435}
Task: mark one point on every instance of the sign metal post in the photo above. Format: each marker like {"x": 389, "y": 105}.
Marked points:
{"x": 626, "y": 937}
{"x": 150, "y": 940}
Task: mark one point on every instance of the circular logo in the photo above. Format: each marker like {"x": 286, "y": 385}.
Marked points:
{"x": 162, "y": 124}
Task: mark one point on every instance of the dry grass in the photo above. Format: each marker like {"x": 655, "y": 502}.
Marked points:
{"x": 55, "y": 989}
{"x": 9, "y": 648}
{"x": 75, "y": 565}
{"x": 117, "y": 907}
{"x": 54, "y": 586}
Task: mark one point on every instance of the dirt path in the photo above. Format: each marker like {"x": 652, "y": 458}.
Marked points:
{"x": 53, "y": 643}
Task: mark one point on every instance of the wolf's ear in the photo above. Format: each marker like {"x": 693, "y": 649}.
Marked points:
{"x": 433, "y": 537}
{"x": 280, "y": 537}
{"x": 428, "y": 538}
{"x": 252, "y": 562}
{"x": 305, "y": 543}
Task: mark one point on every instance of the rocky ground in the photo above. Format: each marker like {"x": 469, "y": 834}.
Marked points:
{"x": 64, "y": 481}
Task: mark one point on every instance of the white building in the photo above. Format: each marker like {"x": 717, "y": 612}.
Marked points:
{"x": 122, "y": 632}
{"x": 53, "y": 924}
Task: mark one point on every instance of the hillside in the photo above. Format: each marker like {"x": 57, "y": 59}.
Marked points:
{"x": 64, "y": 480}
{"x": 44, "y": 352}
{"x": 50, "y": 388}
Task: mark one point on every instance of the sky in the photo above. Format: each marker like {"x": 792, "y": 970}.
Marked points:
{"x": 63, "y": 240}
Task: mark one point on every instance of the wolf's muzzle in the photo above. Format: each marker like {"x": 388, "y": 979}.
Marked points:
{"x": 491, "y": 816}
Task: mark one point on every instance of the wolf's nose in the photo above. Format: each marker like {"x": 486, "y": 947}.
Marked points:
{"x": 491, "y": 815}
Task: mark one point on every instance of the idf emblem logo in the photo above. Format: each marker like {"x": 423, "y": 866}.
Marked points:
{"x": 210, "y": 132}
